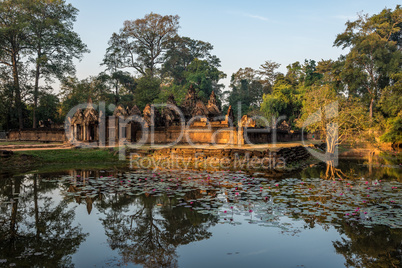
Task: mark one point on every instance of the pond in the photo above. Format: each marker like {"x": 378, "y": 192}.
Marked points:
{"x": 144, "y": 218}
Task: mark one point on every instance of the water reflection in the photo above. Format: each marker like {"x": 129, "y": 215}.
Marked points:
{"x": 34, "y": 229}
{"x": 379, "y": 246}
{"x": 146, "y": 235}
{"x": 384, "y": 167}
{"x": 146, "y": 216}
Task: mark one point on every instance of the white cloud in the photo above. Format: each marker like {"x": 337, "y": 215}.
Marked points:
{"x": 255, "y": 17}
{"x": 252, "y": 16}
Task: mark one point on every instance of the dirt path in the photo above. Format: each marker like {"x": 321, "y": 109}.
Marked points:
{"x": 39, "y": 148}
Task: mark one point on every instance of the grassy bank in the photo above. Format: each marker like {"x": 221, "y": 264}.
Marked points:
{"x": 48, "y": 160}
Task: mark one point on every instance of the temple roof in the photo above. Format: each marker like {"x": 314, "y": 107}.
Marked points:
{"x": 120, "y": 111}
{"x": 213, "y": 109}
{"x": 199, "y": 109}
{"x": 134, "y": 111}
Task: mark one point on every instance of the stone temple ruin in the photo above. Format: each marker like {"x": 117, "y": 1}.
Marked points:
{"x": 203, "y": 123}
{"x": 194, "y": 122}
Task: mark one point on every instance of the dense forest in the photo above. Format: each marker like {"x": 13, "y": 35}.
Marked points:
{"x": 147, "y": 60}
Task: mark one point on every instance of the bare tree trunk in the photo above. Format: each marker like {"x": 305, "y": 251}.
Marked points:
{"x": 36, "y": 207}
{"x": 18, "y": 102}
{"x": 36, "y": 91}
{"x": 371, "y": 108}
{"x": 14, "y": 209}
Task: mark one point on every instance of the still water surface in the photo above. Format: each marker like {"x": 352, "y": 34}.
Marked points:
{"x": 108, "y": 218}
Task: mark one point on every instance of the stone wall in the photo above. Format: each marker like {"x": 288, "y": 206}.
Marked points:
{"x": 196, "y": 135}
{"x": 221, "y": 159}
{"x": 39, "y": 134}
{"x": 262, "y": 135}
{"x": 193, "y": 135}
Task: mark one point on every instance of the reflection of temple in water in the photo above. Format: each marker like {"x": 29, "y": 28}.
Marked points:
{"x": 81, "y": 180}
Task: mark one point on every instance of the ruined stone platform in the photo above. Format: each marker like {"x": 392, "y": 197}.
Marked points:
{"x": 273, "y": 157}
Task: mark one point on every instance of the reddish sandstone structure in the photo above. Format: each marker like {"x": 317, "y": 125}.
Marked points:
{"x": 192, "y": 122}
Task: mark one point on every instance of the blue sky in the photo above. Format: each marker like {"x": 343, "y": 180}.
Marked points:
{"x": 243, "y": 33}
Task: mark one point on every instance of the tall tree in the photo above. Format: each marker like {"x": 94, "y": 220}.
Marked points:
{"x": 141, "y": 43}
{"x": 268, "y": 75}
{"x": 374, "y": 53}
{"x": 14, "y": 42}
{"x": 181, "y": 52}
{"x": 48, "y": 107}
{"x": 53, "y": 42}
{"x": 122, "y": 83}
{"x": 337, "y": 117}
{"x": 74, "y": 92}
{"x": 246, "y": 89}
{"x": 205, "y": 77}
{"x": 284, "y": 100}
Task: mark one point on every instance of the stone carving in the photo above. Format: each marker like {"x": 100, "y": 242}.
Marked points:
{"x": 134, "y": 111}
{"x": 120, "y": 111}
{"x": 152, "y": 116}
{"x": 78, "y": 117}
{"x": 189, "y": 102}
{"x": 199, "y": 109}
{"x": 247, "y": 122}
{"x": 229, "y": 116}
{"x": 170, "y": 116}
{"x": 284, "y": 126}
{"x": 212, "y": 106}
{"x": 90, "y": 114}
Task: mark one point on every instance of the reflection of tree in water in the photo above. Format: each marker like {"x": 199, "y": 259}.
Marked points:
{"x": 372, "y": 167}
{"x": 333, "y": 172}
{"x": 151, "y": 235}
{"x": 379, "y": 246}
{"x": 33, "y": 230}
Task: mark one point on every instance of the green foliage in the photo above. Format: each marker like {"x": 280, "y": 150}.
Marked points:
{"x": 268, "y": 75}
{"x": 73, "y": 156}
{"x": 285, "y": 100}
{"x": 147, "y": 91}
{"x": 374, "y": 55}
{"x": 48, "y": 108}
{"x": 246, "y": 91}
{"x": 141, "y": 44}
{"x": 152, "y": 47}
{"x": 393, "y": 133}
{"x": 179, "y": 92}
{"x": 182, "y": 51}
{"x": 37, "y": 37}
{"x": 391, "y": 99}
{"x": 74, "y": 92}
{"x": 204, "y": 77}
{"x": 337, "y": 117}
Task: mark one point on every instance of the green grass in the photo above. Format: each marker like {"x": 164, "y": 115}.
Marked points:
{"x": 4, "y": 143}
{"x": 56, "y": 160}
